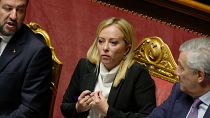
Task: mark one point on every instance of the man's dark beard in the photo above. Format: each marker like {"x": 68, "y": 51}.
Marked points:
{"x": 6, "y": 33}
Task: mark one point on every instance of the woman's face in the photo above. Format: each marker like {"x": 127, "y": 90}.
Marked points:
{"x": 111, "y": 46}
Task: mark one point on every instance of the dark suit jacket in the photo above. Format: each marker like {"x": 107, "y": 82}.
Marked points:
{"x": 25, "y": 70}
{"x": 134, "y": 97}
{"x": 176, "y": 106}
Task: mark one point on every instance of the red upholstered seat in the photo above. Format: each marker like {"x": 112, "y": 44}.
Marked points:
{"x": 157, "y": 57}
{"x": 163, "y": 89}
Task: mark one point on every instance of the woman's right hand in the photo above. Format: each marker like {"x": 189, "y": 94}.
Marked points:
{"x": 84, "y": 100}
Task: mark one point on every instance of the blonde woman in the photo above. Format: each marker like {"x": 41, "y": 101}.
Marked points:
{"x": 109, "y": 83}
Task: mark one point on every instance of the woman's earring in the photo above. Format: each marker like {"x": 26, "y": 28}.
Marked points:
{"x": 124, "y": 56}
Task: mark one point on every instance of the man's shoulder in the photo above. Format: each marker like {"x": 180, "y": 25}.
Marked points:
{"x": 33, "y": 39}
{"x": 177, "y": 93}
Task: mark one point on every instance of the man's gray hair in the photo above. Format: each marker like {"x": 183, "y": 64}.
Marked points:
{"x": 199, "y": 54}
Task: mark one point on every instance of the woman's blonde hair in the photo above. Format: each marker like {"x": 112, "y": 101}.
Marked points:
{"x": 127, "y": 29}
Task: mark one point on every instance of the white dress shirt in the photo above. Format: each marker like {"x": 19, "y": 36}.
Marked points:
{"x": 104, "y": 84}
{"x": 3, "y": 43}
{"x": 204, "y": 105}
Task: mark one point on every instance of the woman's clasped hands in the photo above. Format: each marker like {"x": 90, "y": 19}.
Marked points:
{"x": 92, "y": 100}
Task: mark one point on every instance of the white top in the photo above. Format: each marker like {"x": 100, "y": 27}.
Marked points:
{"x": 204, "y": 106}
{"x": 104, "y": 84}
{"x": 4, "y": 42}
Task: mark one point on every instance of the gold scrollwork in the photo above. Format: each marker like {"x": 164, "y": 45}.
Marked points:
{"x": 156, "y": 55}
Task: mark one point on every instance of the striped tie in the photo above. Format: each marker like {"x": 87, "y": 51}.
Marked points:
{"x": 194, "y": 111}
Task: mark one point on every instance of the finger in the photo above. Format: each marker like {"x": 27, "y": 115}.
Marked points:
{"x": 85, "y": 99}
{"x": 100, "y": 95}
{"x": 89, "y": 100}
{"x": 92, "y": 94}
{"x": 84, "y": 93}
{"x": 96, "y": 93}
{"x": 92, "y": 103}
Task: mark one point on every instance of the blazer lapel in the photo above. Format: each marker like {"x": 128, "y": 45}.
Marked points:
{"x": 207, "y": 114}
{"x": 90, "y": 81}
{"x": 12, "y": 49}
{"x": 181, "y": 106}
{"x": 185, "y": 107}
{"x": 114, "y": 93}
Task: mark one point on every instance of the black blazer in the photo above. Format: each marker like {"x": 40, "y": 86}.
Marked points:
{"x": 25, "y": 70}
{"x": 176, "y": 106}
{"x": 134, "y": 97}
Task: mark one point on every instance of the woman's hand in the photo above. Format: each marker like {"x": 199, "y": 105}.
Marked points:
{"x": 84, "y": 100}
{"x": 99, "y": 103}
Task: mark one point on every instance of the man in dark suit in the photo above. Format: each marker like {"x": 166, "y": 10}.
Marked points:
{"x": 194, "y": 72}
{"x": 25, "y": 65}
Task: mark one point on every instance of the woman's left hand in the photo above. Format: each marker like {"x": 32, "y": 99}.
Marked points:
{"x": 99, "y": 103}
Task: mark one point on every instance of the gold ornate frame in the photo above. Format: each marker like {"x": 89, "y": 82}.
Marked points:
{"x": 194, "y": 4}
{"x": 157, "y": 57}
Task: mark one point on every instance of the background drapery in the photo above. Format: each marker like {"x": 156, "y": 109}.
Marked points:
{"x": 72, "y": 24}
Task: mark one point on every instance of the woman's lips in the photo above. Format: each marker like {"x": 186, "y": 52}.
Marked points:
{"x": 105, "y": 56}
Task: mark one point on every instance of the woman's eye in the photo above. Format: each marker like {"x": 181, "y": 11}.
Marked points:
{"x": 100, "y": 41}
{"x": 114, "y": 42}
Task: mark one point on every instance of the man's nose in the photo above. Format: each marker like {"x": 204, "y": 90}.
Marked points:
{"x": 13, "y": 14}
{"x": 176, "y": 72}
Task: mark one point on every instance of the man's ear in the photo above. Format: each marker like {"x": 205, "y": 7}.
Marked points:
{"x": 201, "y": 75}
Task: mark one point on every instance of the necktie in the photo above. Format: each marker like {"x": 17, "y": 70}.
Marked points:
{"x": 194, "y": 110}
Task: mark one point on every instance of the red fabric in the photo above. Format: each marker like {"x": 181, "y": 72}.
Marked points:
{"x": 163, "y": 89}
{"x": 71, "y": 25}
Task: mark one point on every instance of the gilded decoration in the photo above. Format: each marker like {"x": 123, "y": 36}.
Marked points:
{"x": 156, "y": 55}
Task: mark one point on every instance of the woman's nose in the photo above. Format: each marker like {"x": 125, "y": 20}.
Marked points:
{"x": 105, "y": 47}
